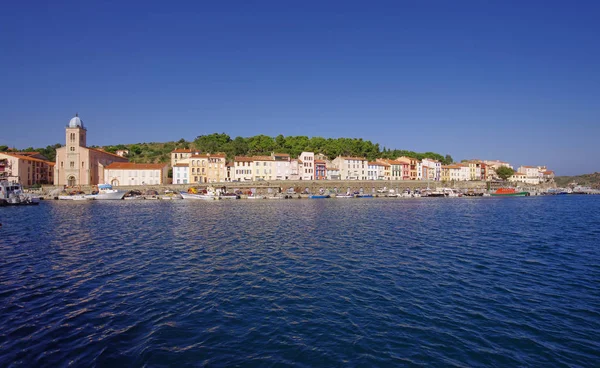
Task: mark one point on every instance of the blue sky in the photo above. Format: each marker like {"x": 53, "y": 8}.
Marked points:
{"x": 516, "y": 81}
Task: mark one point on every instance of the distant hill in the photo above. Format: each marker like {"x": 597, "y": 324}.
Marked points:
{"x": 586, "y": 180}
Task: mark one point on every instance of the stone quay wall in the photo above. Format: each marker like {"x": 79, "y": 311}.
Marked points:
{"x": 303, "y": 186}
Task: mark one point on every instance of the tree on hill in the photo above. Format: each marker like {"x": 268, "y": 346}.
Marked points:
{"x": 504, "y": 172}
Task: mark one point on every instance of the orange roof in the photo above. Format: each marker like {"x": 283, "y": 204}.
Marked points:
{"x": 26, "y": 157}
{"x": 549, "y": 172}
{"x": 133, "y": 166}
{"x": 181, "y": 165}
{"x": 319, "y": 162}
{"x": 243, "y": 159}
{"x": 182, "y": 150}
{"x": 105, "y": 152}
{"x": 281, "y": 154}
{"x": 262, "y": 158}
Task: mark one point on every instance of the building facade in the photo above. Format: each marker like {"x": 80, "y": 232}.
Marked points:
{"x": 26, "y": 168}
{"x": 127, "y": 173}
{"x": 77, "y": 164}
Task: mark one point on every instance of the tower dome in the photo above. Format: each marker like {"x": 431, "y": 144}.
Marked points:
{"x": 76, "y": 122}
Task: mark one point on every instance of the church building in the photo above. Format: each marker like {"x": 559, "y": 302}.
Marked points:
{"x": 77, "y": 164}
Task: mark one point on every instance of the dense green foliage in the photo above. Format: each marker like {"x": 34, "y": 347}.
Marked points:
{"x": 504, "y": 172}
{"x": 260, "y": 145}
{"x": 294, "y": 145}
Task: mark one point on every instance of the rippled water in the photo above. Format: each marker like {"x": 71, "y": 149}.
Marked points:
{"x": 467, "y": 282}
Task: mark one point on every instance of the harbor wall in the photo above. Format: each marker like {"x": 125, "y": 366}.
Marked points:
{"x": 299, "y": 186}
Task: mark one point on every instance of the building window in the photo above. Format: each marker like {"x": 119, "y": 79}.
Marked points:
{"x": 72, "y": 164}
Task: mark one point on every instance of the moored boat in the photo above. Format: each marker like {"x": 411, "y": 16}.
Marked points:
{"x": 106, "y": 192}
{"x": 11, "y": 194}
{"x": 509, "y": 192}
{"x": 319, "y": 196}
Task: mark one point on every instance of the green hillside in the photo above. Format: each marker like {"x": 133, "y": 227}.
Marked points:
{"x": 155, "y": 152}
{"x": 586, "y": 180}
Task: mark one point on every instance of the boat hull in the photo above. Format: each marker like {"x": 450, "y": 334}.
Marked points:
{"x": 318, "y": 196}
{"x": 116, "y": 195}
{"x": 516, "y": 194}
{"x": 203, "y": 197}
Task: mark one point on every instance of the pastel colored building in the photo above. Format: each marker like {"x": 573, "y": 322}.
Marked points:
{"x": 352, "y": 168}
{"x": 77, "y": 164}
{"x": 127, "y": 173}
{"x": 26, "y": 168}
{"x": 308, "y": 165}
{"x": 243, "y": 168}
{"x": 179, "y": 154}
{"x": 263, "y": 167}
{"x": 412, "y": 167}
{"x": 320, "y": 170}
{"x": 281, "y": 166}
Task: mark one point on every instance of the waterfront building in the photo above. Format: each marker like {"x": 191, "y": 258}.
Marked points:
{"x": 434, "y": 169}
{"x": 26, "y": 168}
{"x": 243, "y": 168}
{"x": 122, "y": 153}
{"x": 198, "y": 165}
{"x": 529, "y": 171}
{"x": 308, "y": 165}
{"x": 128, "y": 173}
{"x": 295, "y": 169}
{"x": 181, "y": 173}
{"x": 548, "y": 175}
{"x": 412, "y": 167}
{"x": 320, "y": 170}
{"x": 393, "y": 170}
{"x": 333, "y": 173}
{"x": 352, "y": 168}
{"x": 492, "y": 166}
{"x": 216, "y": 170}
{"x": 474, "y": 169}
{"x": 281, "y": 166}
{"x": 263, "y": 167}
{"x": 77, "y": 164}
{"x": 376, "y": 170}
{"x": 229, "y": 171}
{"x": 456, "y": 172}
{"x": 180, "y": 154}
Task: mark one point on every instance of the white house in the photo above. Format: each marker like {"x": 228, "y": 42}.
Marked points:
{"x": 127, "y": 173}
{"x": 352, "y": 168}
{"x": 180, "y": 173}
{"x": 308, "y": 165}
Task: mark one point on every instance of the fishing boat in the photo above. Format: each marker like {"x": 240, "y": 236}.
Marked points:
{"x": 509, "y": 192}
{"x": 11, "y": 194}
{"x": 347, "y": 195}
{"x": 106, "y": 192}
{"x": 207, "y": 195}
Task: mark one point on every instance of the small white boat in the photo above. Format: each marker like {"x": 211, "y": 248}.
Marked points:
{"x": 256, "y": 197}
{"x": 347, "y": 195}
{"x": 106, "y": 192}
{"x": 205, "y": 197}
{"x": 11, "y": 194}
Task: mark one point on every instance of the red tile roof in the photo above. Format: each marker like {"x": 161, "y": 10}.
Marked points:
{"x": 133, "y": 166}
{"x": 182, "y": 150}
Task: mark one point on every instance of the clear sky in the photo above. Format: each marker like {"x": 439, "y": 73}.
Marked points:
{"x": 511, "y": 80}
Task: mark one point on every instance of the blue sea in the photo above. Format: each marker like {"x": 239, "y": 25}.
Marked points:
{"x": 468, "y": 282}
